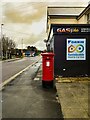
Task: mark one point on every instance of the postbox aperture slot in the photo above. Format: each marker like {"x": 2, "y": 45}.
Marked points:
{"x": 47, "y": 63}
{"x": 47, "y": 58}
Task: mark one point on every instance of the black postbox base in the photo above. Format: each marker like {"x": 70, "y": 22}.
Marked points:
{"x": 47, "y": 84}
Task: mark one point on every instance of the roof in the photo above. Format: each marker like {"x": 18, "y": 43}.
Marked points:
{"x": 69, "y": 25}
{"x": 65, "y": 11}
{"x": 86, "y": 10}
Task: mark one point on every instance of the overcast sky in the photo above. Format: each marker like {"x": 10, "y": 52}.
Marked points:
{"x": 25, "y": 21}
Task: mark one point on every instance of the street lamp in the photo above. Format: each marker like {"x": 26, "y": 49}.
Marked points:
{"x": 2, "y": 41}
{"x": 22, "y": 48}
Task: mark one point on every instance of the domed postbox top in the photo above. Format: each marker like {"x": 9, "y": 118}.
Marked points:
{"x": 48, "y": 54}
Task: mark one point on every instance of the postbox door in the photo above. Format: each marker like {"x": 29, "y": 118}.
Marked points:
{"x": 48, "y": 69}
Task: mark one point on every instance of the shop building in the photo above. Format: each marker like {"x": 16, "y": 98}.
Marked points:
{"x": 69, "y": 38}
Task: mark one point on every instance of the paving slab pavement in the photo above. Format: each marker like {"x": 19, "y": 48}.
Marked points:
{"x": 74, "y": 97}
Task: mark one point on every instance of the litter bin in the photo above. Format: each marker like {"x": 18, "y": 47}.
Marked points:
{"x": 47, "y": 69}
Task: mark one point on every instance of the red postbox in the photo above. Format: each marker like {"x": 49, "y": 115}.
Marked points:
{"x": 47, "y": 69}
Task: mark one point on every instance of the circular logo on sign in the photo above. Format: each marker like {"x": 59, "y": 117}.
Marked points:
{"x": 71, "y": 48}
{"x": 79, "y": 48}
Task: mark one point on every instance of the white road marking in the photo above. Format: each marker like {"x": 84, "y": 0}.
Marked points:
{"x": 36, "y": 79}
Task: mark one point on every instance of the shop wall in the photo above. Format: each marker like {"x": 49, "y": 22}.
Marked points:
{"x": 63, "y": 21}
{"x": 65, "y": 67}
{"x": 83, "y": 20}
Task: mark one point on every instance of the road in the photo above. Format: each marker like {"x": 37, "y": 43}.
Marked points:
{"x": 11, "y": 68}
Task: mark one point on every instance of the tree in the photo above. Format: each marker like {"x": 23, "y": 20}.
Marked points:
{"x": 32, "y": 49}
{"x": 8, "y": 47}
{"x": 28, "y": 48}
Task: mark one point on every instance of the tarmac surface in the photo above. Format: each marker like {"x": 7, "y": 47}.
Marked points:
{"x": 26, "y": 98}
{"x": 14, "y": 66}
